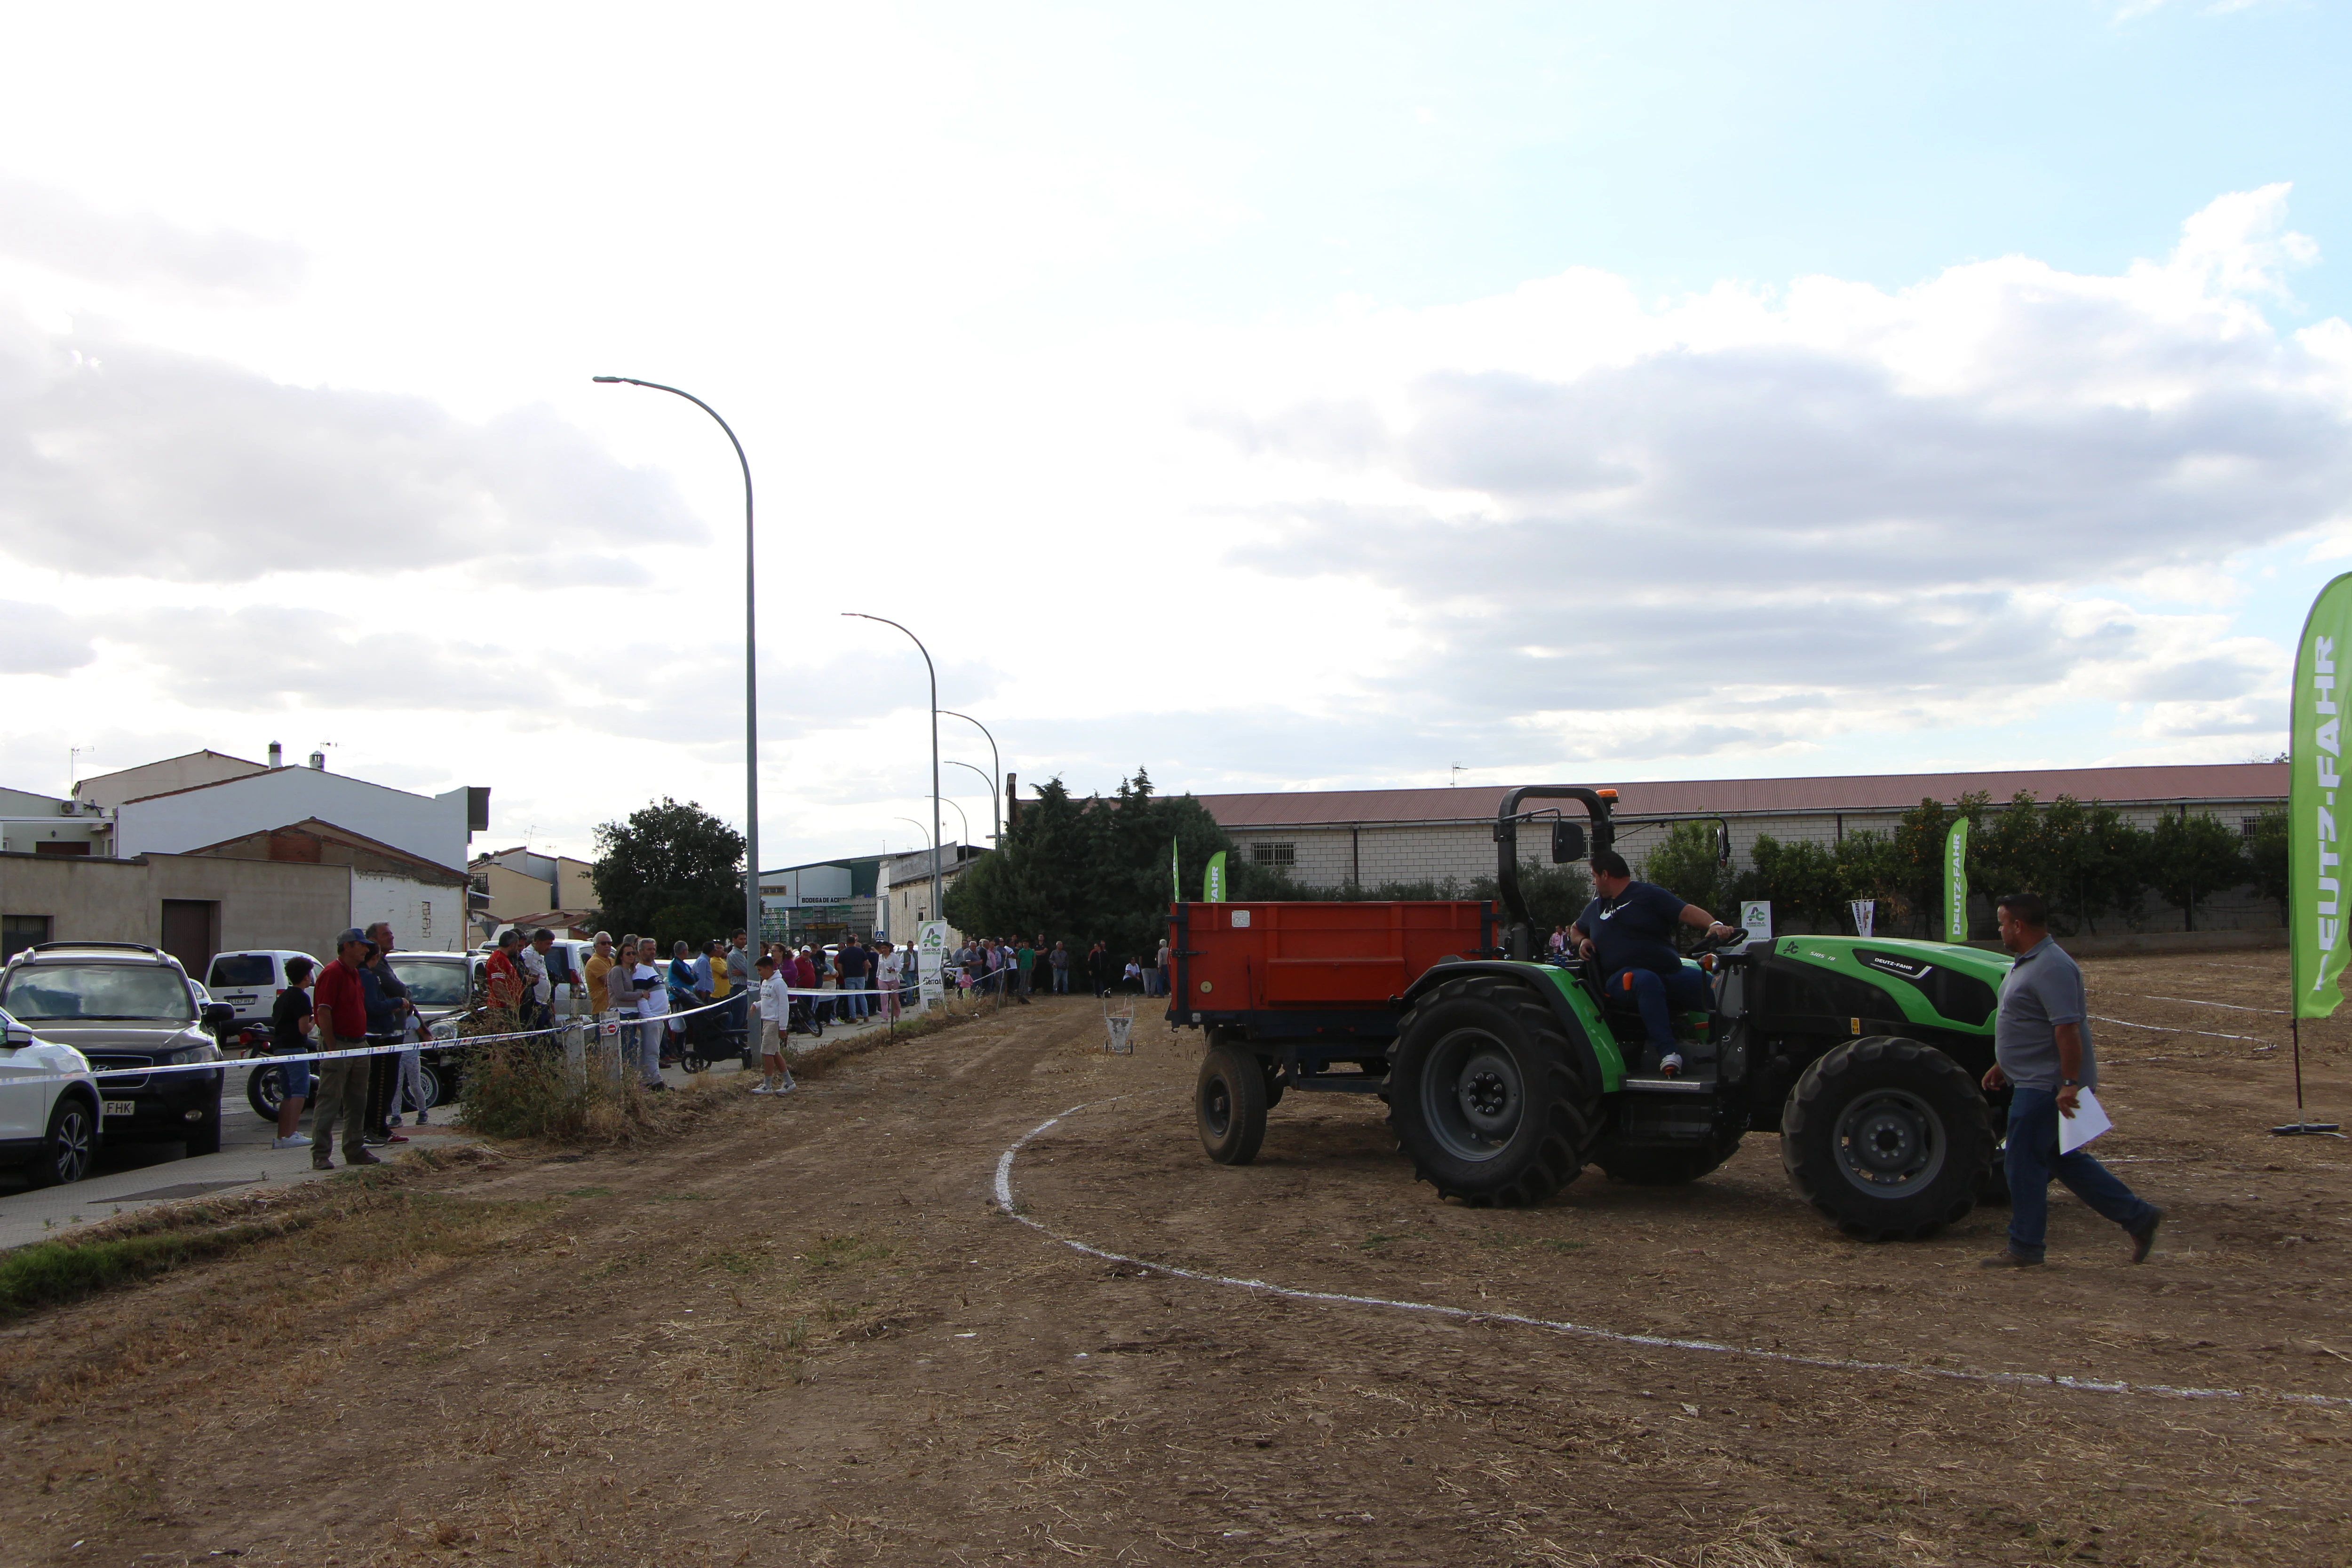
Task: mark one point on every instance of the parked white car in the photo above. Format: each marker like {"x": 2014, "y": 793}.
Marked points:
{"x": 249, "y": 980}
{"x": 51, "y": 1129}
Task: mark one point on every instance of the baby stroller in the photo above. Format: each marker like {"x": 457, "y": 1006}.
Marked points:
{"x": 808, "y": 1018}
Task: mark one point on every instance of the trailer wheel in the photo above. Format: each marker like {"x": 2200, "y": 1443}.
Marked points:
{"x": 1230, "y": 1101}
{"x": 1887, "y": 1137}
{"x": 1669, "y": 1167}
{"x": 1485, "y": 1097}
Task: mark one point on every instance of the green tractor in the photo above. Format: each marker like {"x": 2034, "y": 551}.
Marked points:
{"x": 1508, "y": 1075}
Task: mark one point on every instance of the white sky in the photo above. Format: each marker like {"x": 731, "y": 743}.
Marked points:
{"x": 1274, "y": 398}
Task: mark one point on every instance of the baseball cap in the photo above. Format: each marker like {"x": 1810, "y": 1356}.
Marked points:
{"x": 351, "y": 935}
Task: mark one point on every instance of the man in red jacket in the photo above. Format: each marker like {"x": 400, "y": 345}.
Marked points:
{"x": 340, "y": 1003}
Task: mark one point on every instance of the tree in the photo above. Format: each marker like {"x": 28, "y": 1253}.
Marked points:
{"x": 1684, "y": 864}
{"x": 1868, "y": 870}
{"x": 2093, "y": 862}
{"x": 2267, "y": 857}
{"x": 1799, "y": 880}
{"x": 673, "y": 864}
{"x": 1082, "y": 871}
{"x": 2191, "y": 858}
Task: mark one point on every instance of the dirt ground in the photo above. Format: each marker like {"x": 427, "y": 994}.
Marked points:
{"x": 805, "y": 1332}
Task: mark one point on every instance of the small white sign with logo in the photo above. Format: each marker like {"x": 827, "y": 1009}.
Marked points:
{"x": 1864, "y": 910}
{"x": 1756, "y": 919}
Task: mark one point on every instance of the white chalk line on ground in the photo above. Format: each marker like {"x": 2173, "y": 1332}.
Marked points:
{"x": 2161, "y": 1029}
{"x": 1616, "y": 1336}
{"x": 2232, "y": 1006}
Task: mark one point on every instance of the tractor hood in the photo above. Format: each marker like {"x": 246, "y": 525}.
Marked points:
{"x": 1935, "y": 982}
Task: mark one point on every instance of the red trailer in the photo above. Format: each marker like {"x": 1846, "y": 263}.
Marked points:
{"x": 1311, "y": 987}
{"x": 1309, "y": 971}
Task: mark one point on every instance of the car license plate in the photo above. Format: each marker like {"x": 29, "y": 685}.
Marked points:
{"x": 122, "y": 1107}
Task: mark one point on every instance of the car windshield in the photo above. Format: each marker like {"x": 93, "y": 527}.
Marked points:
{"x": 46, "y": 993}
{"x": 432, "y": 983}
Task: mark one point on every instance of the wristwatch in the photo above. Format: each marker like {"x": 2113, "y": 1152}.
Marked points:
{"x": 2070, "y": 1083}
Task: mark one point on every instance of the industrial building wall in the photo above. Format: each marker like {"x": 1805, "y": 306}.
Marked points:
{"x": 1329, "y": 855}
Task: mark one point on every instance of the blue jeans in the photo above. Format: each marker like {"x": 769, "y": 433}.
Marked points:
{"x": 856, "y": 986}
{"x": 1686, "y": 989}
{"x": 2033, "y": 1158}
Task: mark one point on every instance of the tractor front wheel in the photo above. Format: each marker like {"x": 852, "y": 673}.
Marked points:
{"x": 1888, "y": 1137}
{"x": 1485, "y": 1097}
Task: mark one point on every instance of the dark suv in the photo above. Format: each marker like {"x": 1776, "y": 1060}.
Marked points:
{"x": 125, "y": 1005}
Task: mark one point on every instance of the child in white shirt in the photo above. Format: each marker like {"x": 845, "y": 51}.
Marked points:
{"x": 775, "y": 1008}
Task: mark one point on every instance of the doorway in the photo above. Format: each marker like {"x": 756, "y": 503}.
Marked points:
{"x": 192, "y": 933}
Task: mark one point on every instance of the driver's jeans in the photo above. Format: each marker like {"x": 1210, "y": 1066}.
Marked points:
{"x": 1660, "y": 997}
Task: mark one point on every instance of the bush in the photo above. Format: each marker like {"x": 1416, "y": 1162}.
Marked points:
{"x": 518, "y": 1088}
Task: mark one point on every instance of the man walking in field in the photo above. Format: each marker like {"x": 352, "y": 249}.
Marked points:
{"x": 2042, "y": 1048}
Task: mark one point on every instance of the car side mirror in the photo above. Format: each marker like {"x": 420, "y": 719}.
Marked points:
{"x": 1566, "y": 842}
{"x": 219, "y": 1016}
{"x": 16, "y": 1039}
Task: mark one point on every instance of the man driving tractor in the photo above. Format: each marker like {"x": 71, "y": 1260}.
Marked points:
{"x": 1630, "y": 926}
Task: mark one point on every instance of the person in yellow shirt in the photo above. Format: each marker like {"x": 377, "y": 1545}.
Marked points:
{"x": 716, "y": 951}
{"x": 599, "y": 965}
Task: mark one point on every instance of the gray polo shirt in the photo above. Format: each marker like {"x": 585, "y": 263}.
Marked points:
{"x": 2043, "y": 989}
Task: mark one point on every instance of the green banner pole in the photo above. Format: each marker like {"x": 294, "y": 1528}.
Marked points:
{"x": 1956, "y": 882}
{"x": 2315, "y": 917}
{"x": 1175, "y": 874}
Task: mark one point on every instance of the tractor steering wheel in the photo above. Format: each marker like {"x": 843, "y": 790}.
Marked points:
{"x": 1737, "y": 937}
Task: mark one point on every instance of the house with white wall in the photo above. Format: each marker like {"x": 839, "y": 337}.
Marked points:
{"x": 431, "y": 827}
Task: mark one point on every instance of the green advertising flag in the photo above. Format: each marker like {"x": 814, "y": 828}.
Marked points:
{"x": 1956, "y": 882}
{"x": 1175, "y": 874}
{"x": 2315, "y": 922}
{"x": 1212, "y": 886}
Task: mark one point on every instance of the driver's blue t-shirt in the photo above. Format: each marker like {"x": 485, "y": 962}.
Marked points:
{"x": 1635, "y": 929}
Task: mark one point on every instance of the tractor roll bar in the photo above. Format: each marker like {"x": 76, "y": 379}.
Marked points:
{"x": 1519, "y": 936}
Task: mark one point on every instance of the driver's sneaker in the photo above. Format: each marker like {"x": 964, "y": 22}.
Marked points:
{"x": 296, "y": 1142}
{"x": 1670, "y": 1065}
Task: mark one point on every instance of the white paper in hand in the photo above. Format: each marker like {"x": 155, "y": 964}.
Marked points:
{"x": 2090, "y": 1119}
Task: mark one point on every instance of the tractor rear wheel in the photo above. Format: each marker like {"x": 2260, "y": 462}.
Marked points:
{"x": 1485, "y": 1097}
{"x": 1888, "y": 1137}
{"x": 1669, "y": 1167}
{"x": 1230, "y": 1102}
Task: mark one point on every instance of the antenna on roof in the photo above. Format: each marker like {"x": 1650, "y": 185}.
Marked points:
{"x": 73, "y": 766}
{"x": 1458, "y": 771}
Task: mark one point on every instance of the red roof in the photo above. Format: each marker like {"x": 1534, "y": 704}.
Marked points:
{"x": 1877, "y": 791}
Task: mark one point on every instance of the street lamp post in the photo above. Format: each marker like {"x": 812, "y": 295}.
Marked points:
{"x": 936, "y": 913}
{"x": 997, "y": 789}
{"x": 751, "y": 665}
{"x": 992, "y": 797}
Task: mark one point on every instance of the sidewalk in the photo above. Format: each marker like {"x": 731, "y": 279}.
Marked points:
{"x": 132, "y": 1176}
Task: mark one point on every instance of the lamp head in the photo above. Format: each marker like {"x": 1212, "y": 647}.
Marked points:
{"x": 608, "y": 380}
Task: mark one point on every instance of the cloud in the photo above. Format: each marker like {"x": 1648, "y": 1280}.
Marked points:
{"x": 64, "y": 232}
{"x": 1760, "y": 522}
{"x": 189, "y": 469}
{"x": 40, "y": 639}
